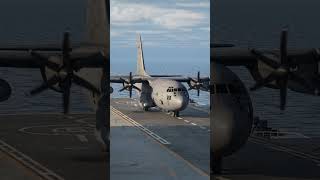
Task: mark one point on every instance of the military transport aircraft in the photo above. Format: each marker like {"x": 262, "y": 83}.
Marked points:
{"x": 297, "y": 70}
{"x": 164, "y": 91}
{"x": 85, "y": 64}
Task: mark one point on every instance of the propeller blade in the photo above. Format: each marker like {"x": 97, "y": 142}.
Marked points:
{"x": 83, "y": 83}
{"x": 52, "y": 81}
{"x": 283, "y": 47}
{"x": 41, "y": 88}
{"x": 135, "y": 87}
{"x": 130, "y": 92}
{"x": 270, "y": 62}
{"x": 66, "y": 49}
{"x": 66, "y": 86}
{"x": 124, "y": 88}
{"x": 124, "y": 81}
{"x": 44, "y": 86}
{"x": 198, "y": 92}
{"x": 130, "y": 77}
{"x": 264, "y": 82}
{"x": 66, "y": 100}
{"x": 66, "y": 44}
{"x": 283, "y": 93}
{"x": 198, "y": 76}
{"x": 190, "y": 88}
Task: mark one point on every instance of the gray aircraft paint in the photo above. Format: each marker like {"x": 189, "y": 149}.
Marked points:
{"x": 96, "y": 39}
{"x": 154, "y": 91}
{"x": 231, "y": 112}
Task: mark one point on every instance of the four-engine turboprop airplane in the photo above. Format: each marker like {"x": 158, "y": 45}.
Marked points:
{"x": 164, "y": 91}
{"x": 231, "y": 123}
{"x": 85, "y": 64}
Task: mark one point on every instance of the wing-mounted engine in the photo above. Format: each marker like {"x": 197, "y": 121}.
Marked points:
{"x": 128, "y": 84}
{"x": 198, "y": 84}
{"x": 282, "y": 71}
{"x": 58, "y": 71}
{"x": 5, "y": 90}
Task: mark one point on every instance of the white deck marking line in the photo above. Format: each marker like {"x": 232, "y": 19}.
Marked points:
{"x": 287, "y": 150}
{"x": 195, "y": 168}
{"x": 82, "y": 138}
{"x": 222, "y": 178}
{"x": 186, "y": 121}
{"x": 179, "y": 118}
{"x": 28, "y": 162}
{"x": 139, "y": 126}
{"x": 194, "y": 124}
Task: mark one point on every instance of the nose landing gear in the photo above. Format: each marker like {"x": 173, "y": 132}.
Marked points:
{"x": 176, "y": 113}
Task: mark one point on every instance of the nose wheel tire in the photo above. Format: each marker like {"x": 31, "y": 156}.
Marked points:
{"x": 176, "y": 114}
{"x": 145, "y": 108}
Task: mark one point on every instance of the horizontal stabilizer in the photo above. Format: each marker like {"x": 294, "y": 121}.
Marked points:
{"x": 165, "y": 75}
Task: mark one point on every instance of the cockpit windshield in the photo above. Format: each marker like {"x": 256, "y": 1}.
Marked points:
{"x": 171, "y": 89}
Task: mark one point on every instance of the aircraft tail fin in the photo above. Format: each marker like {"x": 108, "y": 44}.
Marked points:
{"x": 141, "y": 70}
{"x": 98, "y": 23}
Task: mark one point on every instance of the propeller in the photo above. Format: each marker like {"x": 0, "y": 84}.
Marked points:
{"x": 282, "y": 70}
{"x": 64, "y": 76}
{"x": 196, "y": 84}
{"x": 129, "y": 85}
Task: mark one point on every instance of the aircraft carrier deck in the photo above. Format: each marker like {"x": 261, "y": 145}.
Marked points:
{"x": 144, "y": 145}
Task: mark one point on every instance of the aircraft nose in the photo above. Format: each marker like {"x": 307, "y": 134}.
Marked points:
{"x": 181, "y": 102}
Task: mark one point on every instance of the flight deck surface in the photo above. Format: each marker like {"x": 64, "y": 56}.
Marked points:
{"x": 53, "y": 146}
{"x": 285, "y": 157}
{"x": 148, "y": 145}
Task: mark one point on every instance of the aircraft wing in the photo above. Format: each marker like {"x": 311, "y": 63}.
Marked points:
{"x": 35, "y": 57}
{"x": 134, "y": 79}
{"x": 244, "y": 57}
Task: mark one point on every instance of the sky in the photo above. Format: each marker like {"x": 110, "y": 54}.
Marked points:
{"x": 173, "y": 32}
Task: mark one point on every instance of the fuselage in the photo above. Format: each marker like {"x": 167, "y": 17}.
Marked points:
{"x": 231, "y": 115}
{"x": 169, "y": 95}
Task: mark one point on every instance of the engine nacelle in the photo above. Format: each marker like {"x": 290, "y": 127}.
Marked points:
{"x": 111, "y": 90}
{"x": 5, "y": 90}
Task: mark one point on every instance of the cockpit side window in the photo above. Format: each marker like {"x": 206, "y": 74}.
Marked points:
{"x": 170, "y": 89}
